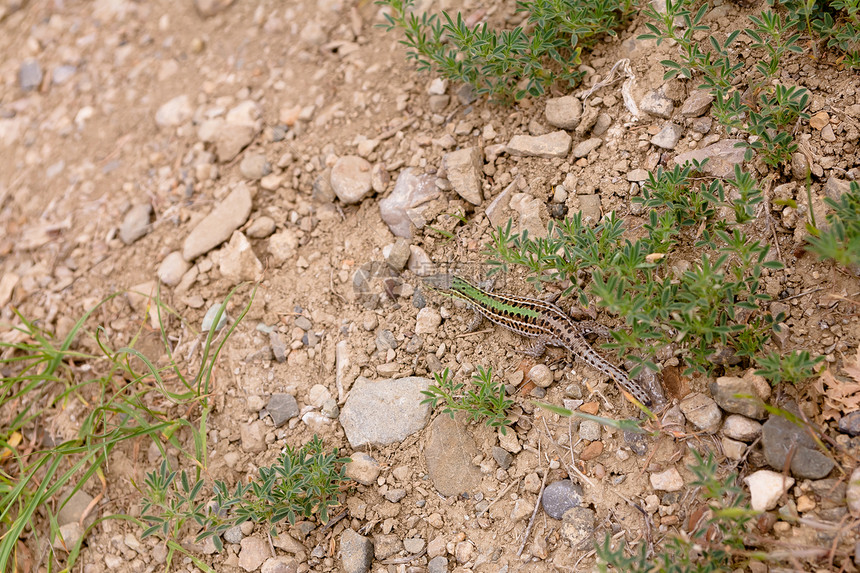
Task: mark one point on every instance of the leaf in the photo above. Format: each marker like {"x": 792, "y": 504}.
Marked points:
{"x": 839, "y": 397}
{"x": 852, "y": 368}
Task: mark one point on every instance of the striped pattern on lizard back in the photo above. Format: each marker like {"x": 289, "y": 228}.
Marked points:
{"x": 538, "y": 319}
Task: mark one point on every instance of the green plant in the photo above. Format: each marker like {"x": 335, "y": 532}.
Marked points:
{"x": 508, "y": 64}
{"x": 840, "y": 239}
{"x": 484, "y": 400}
{"x": 174, "y": 504}
{"x": 302, "y": 483}
{"x": 767, "y": 116}
{"x": 713, "y": 302}
{"x": 794, "y": 367}
{"x": 836, "y": 23}
{"x": 42, "y": 375}
{"x": 715, "y": 542}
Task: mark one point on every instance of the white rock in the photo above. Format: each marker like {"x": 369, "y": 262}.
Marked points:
{"x": 238, "y": 261}
{"x": 282, "y": 246}
{"x": 351, "y": 179}
{"x": 172, "y": 268}
{"x": 766, "y": 487}
{"x": 175, "y": 112}
{"x": 464, "y": 172}
{"x": 428, "y": 321}
{"x": 668, "y": 480}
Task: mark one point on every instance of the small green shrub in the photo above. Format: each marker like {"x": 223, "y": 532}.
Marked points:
{"x": 840, "y": 240}
{"x": 508, "y": 64}
{"x": 485, "y": 400}
{"x": 836, "y": 23}
{"x": 794, "y": 367}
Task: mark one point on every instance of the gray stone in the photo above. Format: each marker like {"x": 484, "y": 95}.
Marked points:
{"x": 350, "y": 179}
{"x": 174, "y": 112}
{"x": 657, "y": 104}
{"x": 253, "y": 553}
{"x": 563, "y": 112}
{"x": 404, "y": 207}
{"x": 62, "y": 74}
{"x": 741, "y": 428}
{"x": 230, "y": 140}
{"x": 384, "y": 546}
{"x": 637, "y": 175}
{"x": 321, "y": 190}
{"x": 668, "y": 137}
{"x": 413, "y": 545}
{"x": 238, "y": 262}
{"x": 397, "y": 254}
{"x": 172, "y": 268}
{"x": 464, "y": 172}
{"x": 70, "y": 534}
{"x": 384, "y": 412}
{"x": 560, "y": 496}
{"x": 280, "y": 565}
{"x": 30, "y": 75}
{"x": 209, "y": 318}
{"x": 438, "y": 564}
{"x": 835, "y": 188}
{"x": 135, "y": 224}
{"x": 697, "y": 104}
{"x": 702, "y": 412}
{"x": 363, "y": 468}
{"x": 799, "y": 166}
{"x": 438, "y": 103}
{"x": 281, "y": 408}
{"x": 578, "y": 528}
{"x": 502, "y": 457}
{"x": 738, "y": 396}
{"x": 218, "y": 226}
{"x": 850, "y": 424}
{"x": 555, "y": 144}
{"x": 780, "y": 436}
{"x": 589, "y": 430}
{"x": 583, "y": 148}
{"x": 356, "y": 552}
{"x": 722, "y": 157}
{"x": 73, "y": 508}
{"x": 448, "y": 452}
{"x": 601, "y": 126}
{"x": 255, "y": 166}
{"x": 234, "y": 535}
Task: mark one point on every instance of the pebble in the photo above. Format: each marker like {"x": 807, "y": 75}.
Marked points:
{"x": 560, "y": 496}
{"x": 253, "y": 553}
{"x": 428, "y": 321}
{"x": 281, "y": 408}
{"x": 502, "y": 457}
{"x": 589, "y": 430}
{"x": 668, "y": 137}
{"x": 238, "y": 262}
{"x": 420, "y": 262}
{"x": 413, "y": 545}
{"x": 62, "y": 74}
{"x": 397, "y": 254}
{"x": 384, "y": 412}
{"x": 30, "y": 75}
{"x": 464, "y": 172}
{"x": 702, "y": 411}
{"x": 578, "y": 528}
{"x": 509, "y": 442}
{"x": 234, "y": 535}
{"x": 799, "y": 166}
{"x": 741, "y": 428}
{"x": 73, "y": 508}
{"x": 280, "y": 565}
{"x": 563, "y": 112}
{"x": 779, "y": 436}
{"x": 667, "y": 480}
{"x": 601, "y": 126}
{"x": 135, "y": 224}
{"x": 438, "y": 564}
{"x": 541, "y": 375}
{"x": 283, "y": 246}
{"x": 637, "y": 175}
{"x": 819, "y": 120}
{"x": 318, "y": 395}
{"x": 722, "y": 157}
{"x": 554, "y": 144}
{"x": 363, "y": 468}
{"x": 697, "y": 104}
{"x": 733, "y": 449}
{"x": 657, "y": 104}
{"x": 852, "y": 493}
{"x": 253, "y": 437}
{"x": 448, "y": 452}
{"x": 350, "y": 179}
{"x": 766, "y": 487}
{"x": 70, "y": 534}
{"x": 255, "y": 166}
{"x": 587, "y": 121}
{"x": 218, "y": 226}
{"x": 174, "y": 112}
{"x": 172, "y": 268}
{"x": 850, "y": 424}
{"x": 835, "y": 188}
{"x": 522, "y": 510}
{"x": 827, "y": 134}
{"x": 406, "y": 202}
{"x": 207, "y": 8}
{"x": 583, "y": 148}
{"x": 738, "y": 396}
{"x": 209, "y": 318}
{"x": 591, "y": 451}
{"x": 261, "y": 228}
{"x": 438, "y": 103}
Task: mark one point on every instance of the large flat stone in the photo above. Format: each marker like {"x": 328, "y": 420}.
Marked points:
{"x": 722, "y": 157}
{"x": 218, "y": 226}
{"x": 378, "y": 413}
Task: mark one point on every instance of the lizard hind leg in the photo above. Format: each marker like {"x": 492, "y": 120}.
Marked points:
{"x": 476, "y": 320}
{"x": 537, "y": 349}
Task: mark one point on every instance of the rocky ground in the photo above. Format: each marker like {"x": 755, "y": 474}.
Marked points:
{"x": 198, "y": 146}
